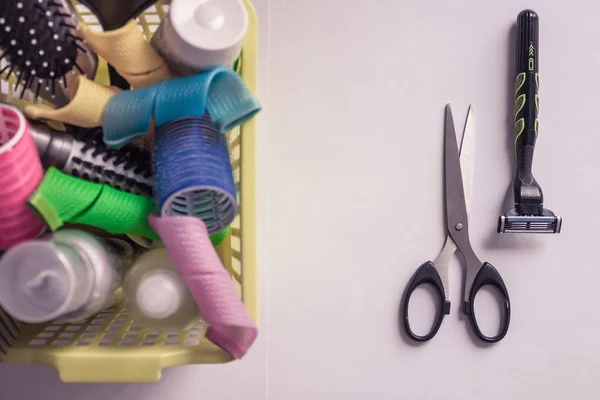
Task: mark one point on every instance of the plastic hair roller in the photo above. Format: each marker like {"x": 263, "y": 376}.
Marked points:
{"x": 113, "y": 14}
{"x": 88, "y": 100}
{"x": 193, "y": 172}
{"x": 220, "y": 91}
{"x": 61, "y": 198}
{"x": 127, "y": 50}
{"x": 20, "y": 174}
{"x": 229, "y": 324}
{"x": 216, "y": 239}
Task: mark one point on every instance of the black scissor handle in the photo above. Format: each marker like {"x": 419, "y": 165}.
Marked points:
{"x": 426, "y": 274}
{"x": 488, "y": 275}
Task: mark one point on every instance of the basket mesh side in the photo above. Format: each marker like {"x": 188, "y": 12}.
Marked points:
{"x": 234, "y": 260}
{"x": 9, "y": 331}
{"x": 111, "y": 328}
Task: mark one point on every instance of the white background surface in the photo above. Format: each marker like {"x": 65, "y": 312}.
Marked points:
{"x": 350, "y": 193}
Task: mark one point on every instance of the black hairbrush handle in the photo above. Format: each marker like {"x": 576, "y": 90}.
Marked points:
{"x": 528, "y": 193}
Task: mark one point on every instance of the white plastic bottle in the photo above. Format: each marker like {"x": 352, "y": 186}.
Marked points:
{"x": 156, "y": 297}
{"x": 67, "y": 276}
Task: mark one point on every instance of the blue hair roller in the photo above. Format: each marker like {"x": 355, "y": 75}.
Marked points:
{"x": 193, "y": 173}
{"x": 128, "y": 116}
{"x": 220, "y": 92}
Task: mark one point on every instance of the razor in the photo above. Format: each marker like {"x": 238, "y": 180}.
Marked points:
{"x": 529, "y": 214}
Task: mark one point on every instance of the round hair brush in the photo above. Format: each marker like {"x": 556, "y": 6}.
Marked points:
{"x": 40, "y": 47}
{"x": 83, "y": 154}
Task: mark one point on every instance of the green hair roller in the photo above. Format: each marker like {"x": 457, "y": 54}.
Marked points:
{"x": 62, "y": 198}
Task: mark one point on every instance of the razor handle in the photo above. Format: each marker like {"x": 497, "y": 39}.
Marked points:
{"x": 527, "y": 192}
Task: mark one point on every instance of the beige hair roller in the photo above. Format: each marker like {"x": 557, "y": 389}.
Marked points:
{"x": 85, "y": 109}
{"x": 128, "y": 51}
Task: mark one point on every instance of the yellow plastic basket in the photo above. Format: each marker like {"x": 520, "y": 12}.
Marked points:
{"x": 109, "y": 347}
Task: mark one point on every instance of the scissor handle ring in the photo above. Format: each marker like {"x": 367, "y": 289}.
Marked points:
{"x": 488, "y": 275}
{"x": 425, "y": 274}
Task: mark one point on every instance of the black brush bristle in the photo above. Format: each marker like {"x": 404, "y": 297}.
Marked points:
{"x": 37, "y": 41}
{"x": 39, "y": 87}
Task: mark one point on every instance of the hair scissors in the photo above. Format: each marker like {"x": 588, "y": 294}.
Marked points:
{"x": 457, "y": 177}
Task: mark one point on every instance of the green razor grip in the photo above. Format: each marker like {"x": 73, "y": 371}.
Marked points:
{"x": 528, "y": 193}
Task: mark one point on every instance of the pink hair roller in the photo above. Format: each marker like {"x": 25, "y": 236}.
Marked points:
{"x": 20, "y": 174}
{"x": 188, "y": 245}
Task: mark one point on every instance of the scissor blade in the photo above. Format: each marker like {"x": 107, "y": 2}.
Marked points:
{"x": 442, "y": 261}
{"x": 442, "y": 264}
{"x": 466, "y": 158}
{"x": 456, "y": 211}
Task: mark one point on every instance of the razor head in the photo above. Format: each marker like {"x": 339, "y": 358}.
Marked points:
{"x": 515, "y": 223}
